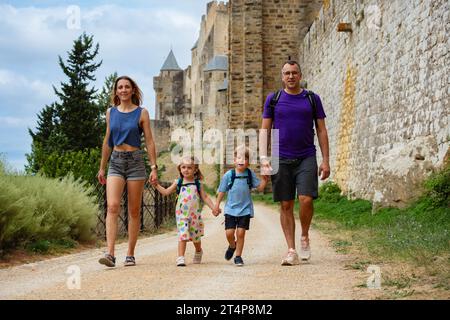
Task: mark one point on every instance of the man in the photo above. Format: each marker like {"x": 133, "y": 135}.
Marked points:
{"x": 294, "y": 117}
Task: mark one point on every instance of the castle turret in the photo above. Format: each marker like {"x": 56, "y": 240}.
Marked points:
{"x": 169, "y": 89}
{"x": 171, "y": 63}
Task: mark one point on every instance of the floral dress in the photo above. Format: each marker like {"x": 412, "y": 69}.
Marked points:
{"x": 188, "y": 214}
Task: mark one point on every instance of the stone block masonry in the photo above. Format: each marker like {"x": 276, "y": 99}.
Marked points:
{"x": 263, "y": 34}
{"x": 385, "y": 87}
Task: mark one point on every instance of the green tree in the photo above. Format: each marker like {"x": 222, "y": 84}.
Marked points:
{"x": 74, "y": 123}
{"x": 78, "y": 113}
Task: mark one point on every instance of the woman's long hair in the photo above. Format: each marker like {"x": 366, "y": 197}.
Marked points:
{"x": 136, "y": 98}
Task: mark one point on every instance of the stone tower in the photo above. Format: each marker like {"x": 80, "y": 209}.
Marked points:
{"x": 209, "y": 60}
{"x": 169, "y": 89}
{"x": 263, "y": 34}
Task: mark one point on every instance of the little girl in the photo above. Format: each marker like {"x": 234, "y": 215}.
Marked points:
{"x": 188, "y": 209}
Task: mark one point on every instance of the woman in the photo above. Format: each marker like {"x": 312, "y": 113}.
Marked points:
{"x": 125, "y": 123}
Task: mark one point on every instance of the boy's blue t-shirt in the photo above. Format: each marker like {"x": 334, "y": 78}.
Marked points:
{"x": 239, "y": 201}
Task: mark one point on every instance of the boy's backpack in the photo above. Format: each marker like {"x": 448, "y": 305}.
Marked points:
{"x": 309, "y": 94}
{"x": 234, "y": 177}
{"x": 180, "y": 184}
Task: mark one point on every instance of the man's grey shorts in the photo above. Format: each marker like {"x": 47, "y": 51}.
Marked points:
{"x": 295, "y": 175}
{"x": 128, "y": 165}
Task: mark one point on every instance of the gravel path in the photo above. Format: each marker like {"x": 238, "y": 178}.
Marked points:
{"x": 156, "y": 277}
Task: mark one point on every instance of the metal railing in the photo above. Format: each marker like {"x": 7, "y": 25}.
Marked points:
{"x": 156, "y": 210}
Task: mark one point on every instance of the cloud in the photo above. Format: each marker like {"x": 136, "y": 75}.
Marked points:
{"x": 14, "y": 122}
{"x": 15, "y": 81}
{"x": 21, "y": 96}
{"x": 134, "y": 40}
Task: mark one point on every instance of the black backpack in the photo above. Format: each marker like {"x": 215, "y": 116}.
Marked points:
{"x": 248, "y": 177}
{"x": 180, "y": 184}
{"x": 309, "y": 94}
{"x": 197, "y": 184}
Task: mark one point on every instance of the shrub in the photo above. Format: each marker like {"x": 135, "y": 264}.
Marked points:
{"x": 82, "y": 165}
{"x": 438, "y": 187}
{"x": 35, "y": 209}
{"x": 330, "y": 192}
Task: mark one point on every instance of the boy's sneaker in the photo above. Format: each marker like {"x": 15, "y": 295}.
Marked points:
{"x": 230, "y": 252}
{"x": 238, "y": 261}
{"x": 305, "y": 252}
{"x": 198, "y": 257}
{"x": 129, "y": 261}
{"x": 291, "y": 258}
{"x": 181, "y": 262}
{"x": 108, "y": 260}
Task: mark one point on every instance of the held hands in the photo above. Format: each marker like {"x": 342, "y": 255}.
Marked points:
{"x": 263, "y": 184}
{"x": 266, "y": 168}
{"x": 216, "y": 211}
{"x": 153, "y": 179}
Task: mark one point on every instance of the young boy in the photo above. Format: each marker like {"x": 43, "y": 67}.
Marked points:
{"x": 238, "y": 182}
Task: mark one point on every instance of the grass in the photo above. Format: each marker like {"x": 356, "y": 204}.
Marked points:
{"x": 51, "y": 246}
{"x": 419, "y": 232}
{"x": 418, "y": 235}
{"x": 341, "y": 246}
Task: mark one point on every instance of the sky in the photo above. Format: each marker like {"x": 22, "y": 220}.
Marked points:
{"x": 135, "y": 37}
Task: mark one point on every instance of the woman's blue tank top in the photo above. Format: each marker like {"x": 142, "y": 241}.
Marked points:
{"x": 124, "y": 127}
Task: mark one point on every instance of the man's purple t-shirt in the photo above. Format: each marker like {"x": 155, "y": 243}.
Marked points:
{"x": 294, "y": 120}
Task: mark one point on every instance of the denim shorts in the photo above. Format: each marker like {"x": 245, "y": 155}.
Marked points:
{"x": 295, "y": 175}
{"x": 129, "y": 165}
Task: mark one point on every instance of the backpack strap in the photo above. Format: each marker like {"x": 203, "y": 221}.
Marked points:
{"x": 312, "y": 101}
{"x": 233, "y": 177}
{"x": 273, "y": 102}
{"x": 249, "y": 178}
{"x": 197, "y": 184}
{"x": 179, "y": 183}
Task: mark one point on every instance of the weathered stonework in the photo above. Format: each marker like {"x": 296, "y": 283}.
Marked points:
{"x": 385, "y": 89}
{"x": 383, "y": 81}
{"x": 169, "y": 94}
{"x": 161, "y": 133}
{"x": 263, "y": 34}
{"x": 197, "y": 93}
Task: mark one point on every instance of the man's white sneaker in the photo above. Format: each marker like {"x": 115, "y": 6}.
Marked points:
{"x": 305, "y": 252}
{"x": 291, "y": 258}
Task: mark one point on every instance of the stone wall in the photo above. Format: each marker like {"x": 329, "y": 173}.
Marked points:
{"x": 212, "y": 40}
{"x": 169, "y": 94}
{"x": 385, "y": 87}
{"x": 263, "y": 34}
{"x": 161, "y": 134}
